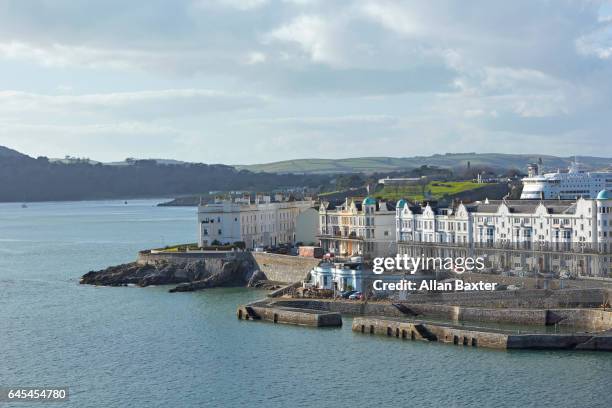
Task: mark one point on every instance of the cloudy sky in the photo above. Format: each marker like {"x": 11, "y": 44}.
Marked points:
{"x": 250, "y": 81}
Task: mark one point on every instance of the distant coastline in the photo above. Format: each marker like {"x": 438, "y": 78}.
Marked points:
{"x": 188, "y": 201}
{"x": 26, "y": 179}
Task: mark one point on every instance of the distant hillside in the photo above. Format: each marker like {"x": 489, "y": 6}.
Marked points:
{"x": 126, "y": 162}
{"x": 23, "y": 178}
{"x": 6, "y": 152}
{"x": 382, "y": 164}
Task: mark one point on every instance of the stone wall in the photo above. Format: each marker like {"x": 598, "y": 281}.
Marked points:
{"x": 564, "y": 298}
{"x": 431, "y": 332}
{"x": 279, "y": 268}
{"x": 590, "y": 319}
{"x": 147, "y": 257}
{"x": 535, "y": 283}
{"x": 289, "y": 316}
{"x": 284, "y": 268}
{"x": 480, "y": 337}
{"x": 547, "y": 341}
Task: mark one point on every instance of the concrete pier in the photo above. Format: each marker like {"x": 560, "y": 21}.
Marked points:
{"x": 581, "y": 317}
{"x": 286, "y": 315}
{"x": 481, "y": 337}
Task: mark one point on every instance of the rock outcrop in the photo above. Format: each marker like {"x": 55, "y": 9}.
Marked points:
{"x": 255, "y": 278}
{"x": 188, "y": 275}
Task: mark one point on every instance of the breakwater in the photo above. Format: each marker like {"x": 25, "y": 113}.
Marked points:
{"x": 480, "y": 336}
{"x": 301, "y": 317}
{"x": 587, "y": 327}
{"x": 587, "y": 317}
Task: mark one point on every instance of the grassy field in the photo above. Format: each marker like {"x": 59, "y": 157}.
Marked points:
{"x": 329, "y": 193}
{"x": 435, "y": 190}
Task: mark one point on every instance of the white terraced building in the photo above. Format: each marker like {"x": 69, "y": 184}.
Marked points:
{"x": 259, "y": 223}
{"x": 358, "y": 227}
{"x": 574, "y": 237}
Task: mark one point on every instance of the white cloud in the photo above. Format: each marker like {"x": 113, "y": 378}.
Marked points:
{"x": 242, "y": 5}
{"x": 255, "y": 58}
{"x": 61, "y": 55}
{"x": 395, "y": 17}
{"x": 160, "y": 103}
{"x": 314, "y": 34}
{"x": 452, "y": 73}
{"x": 597, "y": 43}
{"x": 335, "y": 123}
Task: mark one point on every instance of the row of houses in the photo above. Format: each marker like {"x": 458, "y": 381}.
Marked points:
{"x": 572, "y": 237}
{"x": 562, "y": 236}
{"x": 264, "y": 221}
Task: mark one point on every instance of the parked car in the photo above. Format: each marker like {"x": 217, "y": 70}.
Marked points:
{"x": 356, "y": 296}
{"x": 347, "y": 293}
{"x": 280, "y": 250}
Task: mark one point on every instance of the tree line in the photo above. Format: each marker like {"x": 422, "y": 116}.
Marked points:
{"x": 23, "y": 178}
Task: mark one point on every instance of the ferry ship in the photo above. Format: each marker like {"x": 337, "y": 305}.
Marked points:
{"x": 576, "y": 182}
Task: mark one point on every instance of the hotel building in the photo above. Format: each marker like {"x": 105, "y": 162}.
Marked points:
{"x": 567, "y": 238}
{"x": 266, "y": 221}
{"x": 358, "y": 227}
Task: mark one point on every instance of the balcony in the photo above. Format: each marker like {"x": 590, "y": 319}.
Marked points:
{"x": 558, "y": 247}
{"x": 338, "y": 235}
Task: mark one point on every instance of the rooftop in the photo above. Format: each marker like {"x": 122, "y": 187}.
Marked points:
{"x": 604, "y": 195}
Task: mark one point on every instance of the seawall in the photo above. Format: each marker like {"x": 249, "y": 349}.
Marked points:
{"x": 150, "y": 257}
{"x": 480, "y": 337}
{"x": 587, "y": 319}
{"x": 301, "y": 317}
{"x": 278, "y": 268}
{"x": 284, "y": 268}
{"x": 529, "y": 298}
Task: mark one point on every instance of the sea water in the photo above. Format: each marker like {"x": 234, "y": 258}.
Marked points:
{"x": 145, "y": 347}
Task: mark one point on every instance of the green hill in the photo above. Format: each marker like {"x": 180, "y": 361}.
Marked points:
{"x": 436, "y": 189}
{"x": 449, "y": 160}
{"x": 24, "y": 179}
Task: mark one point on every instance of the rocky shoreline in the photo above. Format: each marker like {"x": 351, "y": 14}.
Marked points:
{"x": 188, "y": 276}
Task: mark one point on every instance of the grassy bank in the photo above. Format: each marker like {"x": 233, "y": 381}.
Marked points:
{"x": 433, "y": 190}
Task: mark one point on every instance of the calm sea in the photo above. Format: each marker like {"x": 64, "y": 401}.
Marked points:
{"x": 144, "y": 347}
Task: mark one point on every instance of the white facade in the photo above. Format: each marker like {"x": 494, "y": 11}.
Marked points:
{"x": 604, "y": 220}
{"x": 338, "y": 276}
{"x": 260, "y": 223}
{"x": 498, "y": 222}
{"x": 524, "y": 228}
{"x": 565, "y": 186}
{"x": 358, "y": 228}
{"x": 414, "y": 223}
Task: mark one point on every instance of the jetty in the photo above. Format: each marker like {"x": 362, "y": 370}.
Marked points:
{"x": 288, "y": 315}
{"x": 536, "y": 319}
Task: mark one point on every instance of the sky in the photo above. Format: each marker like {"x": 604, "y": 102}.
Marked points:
{"x": 253, "y": 81}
